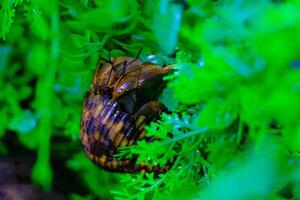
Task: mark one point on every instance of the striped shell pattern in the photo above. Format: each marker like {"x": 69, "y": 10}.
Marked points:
{"x": 117, "y": 107}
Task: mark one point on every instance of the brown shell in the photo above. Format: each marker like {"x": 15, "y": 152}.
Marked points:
{"x": 110, "y": 117}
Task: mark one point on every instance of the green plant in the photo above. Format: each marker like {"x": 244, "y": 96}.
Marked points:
{"x": 233, "y": 132}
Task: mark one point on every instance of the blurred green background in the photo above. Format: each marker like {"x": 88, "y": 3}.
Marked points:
{"x": 234, "y": 130}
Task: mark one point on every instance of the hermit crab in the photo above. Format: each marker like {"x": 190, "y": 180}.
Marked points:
{"x": 120, "y": 102}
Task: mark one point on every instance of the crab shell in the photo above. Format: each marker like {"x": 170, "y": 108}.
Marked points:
{"x": 116, "y": 109}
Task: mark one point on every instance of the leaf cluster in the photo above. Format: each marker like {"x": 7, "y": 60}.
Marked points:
{"x": 233, "y": 128}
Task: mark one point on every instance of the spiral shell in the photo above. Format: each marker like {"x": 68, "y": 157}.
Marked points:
{"x": 117, "y": 108}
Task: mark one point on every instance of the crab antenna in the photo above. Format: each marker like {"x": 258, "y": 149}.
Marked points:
{"x": 139, "y": 53}
{"x": 124, "y": 67}
{"x": 125, "y": 64}
{"x": 140, "y": 72}
{"x": 109, "y": 54}
{"x": 108, "y": 61}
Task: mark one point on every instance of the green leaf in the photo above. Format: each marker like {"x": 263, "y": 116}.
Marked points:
{"x": 23, "y": 123}
{"x": 166, "y": 24}
{"x": 7, "y": 13}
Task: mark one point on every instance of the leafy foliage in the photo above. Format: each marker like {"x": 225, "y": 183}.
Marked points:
{"x": 234, "y": 95}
